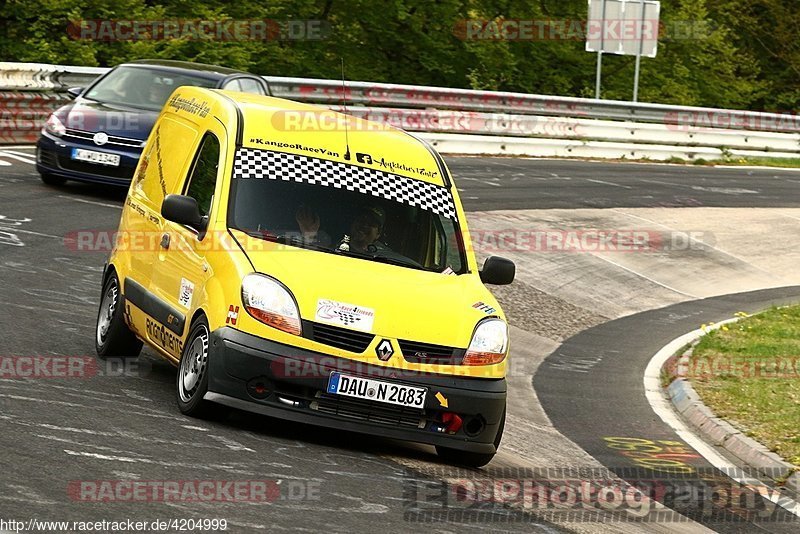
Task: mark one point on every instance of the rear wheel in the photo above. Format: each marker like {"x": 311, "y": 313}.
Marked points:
{"x": 472, "y": 459}
{"x": 51, "y": 179}
{"x": 192, "y": 379}
{"x": 113, "y": 338}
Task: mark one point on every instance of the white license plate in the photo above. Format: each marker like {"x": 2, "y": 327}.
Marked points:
{"x": 376, "y": 390}
{"x": 91, "y": 156}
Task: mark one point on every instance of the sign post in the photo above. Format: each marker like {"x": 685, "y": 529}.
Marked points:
{"x": 622, "y": 27}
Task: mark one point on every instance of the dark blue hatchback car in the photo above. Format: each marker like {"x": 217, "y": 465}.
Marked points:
{"x": 99, "y": 136}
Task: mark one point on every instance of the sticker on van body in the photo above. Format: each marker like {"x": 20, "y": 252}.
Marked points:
{"x": 253, "y": 163}
{"x": 185, "y": 296}
{"x": 344, "y": 314}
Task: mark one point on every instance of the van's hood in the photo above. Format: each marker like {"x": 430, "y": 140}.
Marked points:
{"x": 116, "y": 120}
{"x": 407, "y": 303}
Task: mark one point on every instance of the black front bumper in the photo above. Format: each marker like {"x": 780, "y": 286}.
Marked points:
{"x": 53, "y": 156}
{"x": 261, "y": 376}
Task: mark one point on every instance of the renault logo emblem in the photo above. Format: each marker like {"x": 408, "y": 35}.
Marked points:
{"x": 100, "y": 138}
{"x": 384, "y": 350}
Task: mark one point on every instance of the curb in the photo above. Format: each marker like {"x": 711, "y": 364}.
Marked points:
{"x": 718, "y": 432}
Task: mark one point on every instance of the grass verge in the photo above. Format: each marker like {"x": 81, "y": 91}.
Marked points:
{"x": 749, "y": 374}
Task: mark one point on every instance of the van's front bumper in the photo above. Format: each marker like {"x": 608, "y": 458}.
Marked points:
{"x": 261, "y": 376}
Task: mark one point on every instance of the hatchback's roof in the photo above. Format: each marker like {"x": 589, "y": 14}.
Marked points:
{"x": 208, "y": 71}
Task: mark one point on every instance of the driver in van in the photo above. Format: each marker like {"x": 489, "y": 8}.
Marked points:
{"x": 365, "y": 230}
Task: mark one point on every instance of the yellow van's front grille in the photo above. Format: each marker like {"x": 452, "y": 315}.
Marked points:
{"x": 341, "y": 338}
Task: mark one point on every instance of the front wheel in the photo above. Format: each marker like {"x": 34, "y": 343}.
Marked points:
{"x": 192, "y": 379}
{"x": 472, "y": 459}
{"x": 113, "y": 338}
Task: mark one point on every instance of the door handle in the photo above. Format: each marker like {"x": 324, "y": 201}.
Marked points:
{"x": 165, "y": 241}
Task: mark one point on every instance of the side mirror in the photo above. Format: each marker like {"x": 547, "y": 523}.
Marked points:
{"x": 75, "y": 92}
{"x": 498, "y": 271}
{"x": 182, "y": 210}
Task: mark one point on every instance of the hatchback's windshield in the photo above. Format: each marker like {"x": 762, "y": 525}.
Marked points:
{"x": 344, "y": 209}
{"x": 141, "y": 87}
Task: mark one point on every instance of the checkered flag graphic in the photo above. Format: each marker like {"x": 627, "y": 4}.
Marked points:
{"x": 253, "y": 163}
{"x": 347, "y": 318}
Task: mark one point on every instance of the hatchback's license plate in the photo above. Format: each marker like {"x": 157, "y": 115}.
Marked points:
{"x": 91, "y": 156}
{"x": 376, "y": 390}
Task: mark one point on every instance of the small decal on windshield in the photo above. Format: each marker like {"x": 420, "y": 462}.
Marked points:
{"x": 343, "y": 314}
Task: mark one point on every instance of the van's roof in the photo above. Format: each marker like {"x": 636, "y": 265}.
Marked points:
{"x": 281, "y": 125}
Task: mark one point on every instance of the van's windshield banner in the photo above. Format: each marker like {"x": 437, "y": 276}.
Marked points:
{"x": 253, "y": 163}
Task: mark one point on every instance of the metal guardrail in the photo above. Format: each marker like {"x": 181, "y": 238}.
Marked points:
{"x": 29, "y": 91}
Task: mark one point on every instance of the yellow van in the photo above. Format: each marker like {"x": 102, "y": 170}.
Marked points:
{"x": 307, "y": 265}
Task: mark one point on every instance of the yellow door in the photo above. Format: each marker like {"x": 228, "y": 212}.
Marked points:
{"x": 181, "y": 268}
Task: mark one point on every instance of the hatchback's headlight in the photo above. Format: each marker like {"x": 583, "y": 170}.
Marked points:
{"x": 489, "y": 343}
{"x": 54, "y": 126}
{"x": 271, "y": 303}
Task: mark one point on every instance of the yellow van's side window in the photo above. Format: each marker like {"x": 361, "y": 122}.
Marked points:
{"x": 203, "y": 178}
{"x": 164, "y": 170}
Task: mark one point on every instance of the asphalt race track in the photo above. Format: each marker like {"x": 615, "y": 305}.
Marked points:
{"x": 592, "y": 389}
{"x": 122, "y": 423}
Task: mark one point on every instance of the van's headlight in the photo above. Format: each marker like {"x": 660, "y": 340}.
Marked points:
{"x": 271, "y": 303}
{"x": 489, "y": 343}
{"x": 54, "y": 126}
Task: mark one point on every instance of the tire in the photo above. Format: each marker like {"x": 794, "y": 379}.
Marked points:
{"x": 192, "y": 381}
{"x": 113, "y": 338}
{"x": 50, "y": 179}
{"x": 472, "y": 459}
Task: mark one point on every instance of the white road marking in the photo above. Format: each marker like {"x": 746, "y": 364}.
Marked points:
{"x": 189, "y": 465}
{"x": 91, "y": 202}
{"x": 23, "y": 154}
{"x": 31, "y": 232}
{"x": 663, "y": 408}
{"x": 7, "y": 154}
{"x": 231, "y": 444}
{"x": 4, "y": 163}
{"x": 190, "y": 427}
{"x": 726, "y": 190}
{"x": 608, "y": 183}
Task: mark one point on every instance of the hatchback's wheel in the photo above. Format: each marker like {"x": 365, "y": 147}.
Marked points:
{"x": 51, "y": 179}
{"x": 192, "y": 380}
{"x": 472, "y": 459}
{"x": 113, "y": 338}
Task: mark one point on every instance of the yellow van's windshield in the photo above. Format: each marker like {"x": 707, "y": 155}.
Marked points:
{"x": 345, "y": 209}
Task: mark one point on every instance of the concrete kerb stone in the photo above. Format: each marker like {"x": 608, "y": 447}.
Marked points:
{"x": 719, "y": 432}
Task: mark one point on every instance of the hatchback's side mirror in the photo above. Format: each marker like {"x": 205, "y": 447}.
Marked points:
{"x": 498, "y": 271}
{"x": 75, "y": 92}
{"x": 182, "y": 210}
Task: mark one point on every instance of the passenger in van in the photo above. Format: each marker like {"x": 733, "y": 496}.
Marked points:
{"x": 308, "y": 222}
